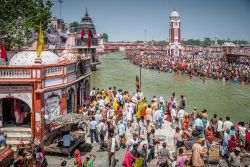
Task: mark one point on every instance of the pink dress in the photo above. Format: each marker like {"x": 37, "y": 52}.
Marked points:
{"x": 181, "y": 161}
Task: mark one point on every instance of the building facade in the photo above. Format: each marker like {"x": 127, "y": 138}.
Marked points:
{"x": 34, "y": 94}
{"x": 175, "y": 47}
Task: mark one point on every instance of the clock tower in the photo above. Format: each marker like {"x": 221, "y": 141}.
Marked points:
{"x": 175, "y": 47}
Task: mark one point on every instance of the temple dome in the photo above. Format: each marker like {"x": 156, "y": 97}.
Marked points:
{"x": 174, "y": 13}
{"x": 27, "y": 58}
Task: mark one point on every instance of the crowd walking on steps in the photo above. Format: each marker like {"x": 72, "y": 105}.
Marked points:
{"x": 152, "y": 131}
{"x": 202, "y": 66}
{"x": 117, "y": 113}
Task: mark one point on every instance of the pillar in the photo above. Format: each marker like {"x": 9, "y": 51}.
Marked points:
{"x": 63, "y": 103}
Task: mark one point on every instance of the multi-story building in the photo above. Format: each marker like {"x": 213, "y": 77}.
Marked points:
{"x": 32, "y": 94}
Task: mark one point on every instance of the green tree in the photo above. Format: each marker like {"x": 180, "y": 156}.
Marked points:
{"x": 207, "y": 42}
{"x": 196, "y": 42}
{"x": 105, "y": 37}
{"x": 73, "y": 27}
{"x": 20, "y": 20}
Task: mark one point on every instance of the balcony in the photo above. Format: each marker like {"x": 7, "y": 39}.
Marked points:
{"x": 48, "y": 75}
{"x": 14, "y": 73}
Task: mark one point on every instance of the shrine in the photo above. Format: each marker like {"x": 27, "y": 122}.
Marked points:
{"x": 32, "y": 94}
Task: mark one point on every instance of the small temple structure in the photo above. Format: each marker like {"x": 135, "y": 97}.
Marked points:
{"x": 81, "y": 43}
{"x": 32, "y": 94}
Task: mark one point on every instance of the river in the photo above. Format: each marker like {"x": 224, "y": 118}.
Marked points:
{"x": 222, "y": 98}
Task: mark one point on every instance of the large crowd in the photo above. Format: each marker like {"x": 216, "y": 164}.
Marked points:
{"x": 195, "y": 65}
{"x": 114, "y": 114}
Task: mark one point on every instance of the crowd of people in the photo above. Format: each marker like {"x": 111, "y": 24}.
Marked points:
{"x": 115, "y": 112}
{"x": 121, "y": 120}
{"x": 196, "y": 65}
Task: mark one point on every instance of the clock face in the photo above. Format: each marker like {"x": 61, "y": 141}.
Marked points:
{"x": 176, "y": 25}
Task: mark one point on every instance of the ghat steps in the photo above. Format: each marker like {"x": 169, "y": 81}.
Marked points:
{"x": 15, "y": 134}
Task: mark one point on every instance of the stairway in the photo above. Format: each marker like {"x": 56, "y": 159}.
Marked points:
{"x": 15, "y": 134}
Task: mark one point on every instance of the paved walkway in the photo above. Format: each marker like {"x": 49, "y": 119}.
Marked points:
{"x": 102, "y": 157}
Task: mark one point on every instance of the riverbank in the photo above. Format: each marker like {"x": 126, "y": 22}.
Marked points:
{"x": 216, "y": 96}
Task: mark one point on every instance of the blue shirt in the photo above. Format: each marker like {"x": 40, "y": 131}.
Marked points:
{"x": 67, "y": 139}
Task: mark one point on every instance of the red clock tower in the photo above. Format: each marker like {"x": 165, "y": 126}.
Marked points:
{"x": 175, "y": 47}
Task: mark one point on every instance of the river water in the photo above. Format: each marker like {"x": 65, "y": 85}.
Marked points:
{"x": 222, "y": 98}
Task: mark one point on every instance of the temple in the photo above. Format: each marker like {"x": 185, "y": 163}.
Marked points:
{"x": 81, "y": 43}
{"x": 33, "y": 94}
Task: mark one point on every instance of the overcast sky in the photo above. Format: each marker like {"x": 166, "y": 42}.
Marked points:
{"x": 127, "y": 19}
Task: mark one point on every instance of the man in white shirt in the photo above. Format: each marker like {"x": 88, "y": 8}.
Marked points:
{"x": 93, "y": 130}
{"x": 198, "y": 125}
{"x": 101, "y": 103}
{"x": 158, "y": 118}
{"x": 92, "y": 93}
{"x": 173, "y": 116}
{"x": 220, "y": 127}
{"x": 227, "y": 124}
{"x": 181, "y": 114}
{"x": 98, "y": 116}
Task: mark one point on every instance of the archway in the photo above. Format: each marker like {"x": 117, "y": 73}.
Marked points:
{"x": 14, "y": 111}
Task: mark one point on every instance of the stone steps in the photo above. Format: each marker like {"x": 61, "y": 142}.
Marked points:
{"x": 15, "y": 134}
{"x": 18, "y": 136}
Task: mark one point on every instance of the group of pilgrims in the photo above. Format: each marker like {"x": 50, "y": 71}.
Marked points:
{"x": 203, "y": 66}
{"x": 115, "y": 113}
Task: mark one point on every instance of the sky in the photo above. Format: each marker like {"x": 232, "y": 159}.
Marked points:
{"x": 126, "y": 20}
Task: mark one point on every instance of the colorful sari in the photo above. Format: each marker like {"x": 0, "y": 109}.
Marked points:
{"x": 128, "y": 159}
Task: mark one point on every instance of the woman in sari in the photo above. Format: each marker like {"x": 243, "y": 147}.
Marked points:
{"x": 78, "y": 161}
{"x": 128, "y": 159}
{"x": 169, "y": 107}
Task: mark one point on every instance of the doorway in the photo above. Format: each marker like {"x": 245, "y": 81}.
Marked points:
{"x": 15, "y": 111}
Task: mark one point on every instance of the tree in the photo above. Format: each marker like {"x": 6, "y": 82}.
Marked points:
{"x": 73, "y": 27}
{"x": 105, "y": 37}
{"x": 20, "y": 21}
{"x": 207, "y": 42}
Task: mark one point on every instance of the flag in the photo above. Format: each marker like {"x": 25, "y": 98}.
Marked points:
{"x": 90, "y": 38}
{"x": 3, "y": 52}
{"x": 40, "y": 41}
{"x": 82, "y": 33}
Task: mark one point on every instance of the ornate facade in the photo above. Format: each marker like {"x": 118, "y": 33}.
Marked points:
{"x": 34, "y": 94}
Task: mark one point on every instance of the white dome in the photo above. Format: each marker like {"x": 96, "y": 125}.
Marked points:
{"x": 27, "y": 58}
{"x": 175, "y": 14}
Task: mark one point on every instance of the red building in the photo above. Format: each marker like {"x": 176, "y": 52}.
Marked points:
{"x": 32, "y": 94}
